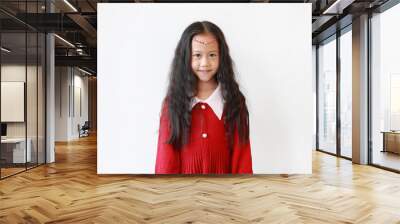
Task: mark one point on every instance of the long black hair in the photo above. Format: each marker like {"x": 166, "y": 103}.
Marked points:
{"x": 183, "y": 87}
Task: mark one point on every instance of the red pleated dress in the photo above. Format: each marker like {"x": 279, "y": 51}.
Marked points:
{"x": 207, "y": 150}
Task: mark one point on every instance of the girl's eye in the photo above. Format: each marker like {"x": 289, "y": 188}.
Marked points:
{"x": 213, "y": 55}
{"x": 196, "y": 55}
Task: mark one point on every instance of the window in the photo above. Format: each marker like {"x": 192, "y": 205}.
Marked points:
{"x": 385, "y": 89}
{"x": 327, "y": 96}
{"x": 346, "y": 93}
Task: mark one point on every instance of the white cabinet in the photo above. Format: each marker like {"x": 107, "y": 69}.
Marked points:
{"x": 18, "y": 149}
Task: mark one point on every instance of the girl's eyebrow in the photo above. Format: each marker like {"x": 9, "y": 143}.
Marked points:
{"x": 194, "y": 52}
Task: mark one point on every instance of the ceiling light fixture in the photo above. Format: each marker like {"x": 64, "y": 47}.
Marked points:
{"x": 84, "y": 71}
{"x": 64, "y": 40}
{"x": 70, "y": 5}
{"x": 5, "y": 50}
{"x": 79, "y": 51}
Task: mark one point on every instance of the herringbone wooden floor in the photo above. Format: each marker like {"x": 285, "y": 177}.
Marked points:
{"x": 70, "y": 191}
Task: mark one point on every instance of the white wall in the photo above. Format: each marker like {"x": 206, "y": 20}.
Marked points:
{"x": 61, "y": 103}
{"x": 80, "y": 84}
{"x": 67, "y": 85}
{"x": 272, "y": 54}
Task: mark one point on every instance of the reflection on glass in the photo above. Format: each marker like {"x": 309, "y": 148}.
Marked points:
{"x": 386, "y": 89}
{"x": 395, "y": 102}
{"x": 31, "y": 101}
{"x": 346, "y": 93}
{"x": 327, "y": 97}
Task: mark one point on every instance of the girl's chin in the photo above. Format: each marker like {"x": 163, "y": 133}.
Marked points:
{"x": 205, "y": 77}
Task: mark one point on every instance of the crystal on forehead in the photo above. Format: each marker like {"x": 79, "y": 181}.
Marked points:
{"x": 203, "y": 42}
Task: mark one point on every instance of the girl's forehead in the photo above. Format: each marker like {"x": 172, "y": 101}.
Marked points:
{"x": 204, "y": 41}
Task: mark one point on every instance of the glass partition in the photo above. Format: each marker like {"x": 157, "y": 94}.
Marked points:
{"x": 13, "y": 109}
{"x": 41, "y": 109}
{"x": 22, "y": 67}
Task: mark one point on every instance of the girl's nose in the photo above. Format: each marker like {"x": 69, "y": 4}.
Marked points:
{"x": 204, "y": 61}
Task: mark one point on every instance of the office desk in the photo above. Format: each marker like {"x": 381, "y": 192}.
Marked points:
{"x": 391, "y": 141}
{"x": 13, "y": 150}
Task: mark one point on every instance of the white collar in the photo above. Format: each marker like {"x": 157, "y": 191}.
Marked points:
{"x": 215, "y": 101}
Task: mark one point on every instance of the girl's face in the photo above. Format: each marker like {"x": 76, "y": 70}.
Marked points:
{"x": 205, "y": 56}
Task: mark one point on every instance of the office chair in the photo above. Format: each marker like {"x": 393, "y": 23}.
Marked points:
{"x": 84, "y": 130}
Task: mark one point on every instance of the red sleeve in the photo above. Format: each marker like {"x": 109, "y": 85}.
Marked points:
{"x": 168, "y": 159}
{"x": 241, "y": 157}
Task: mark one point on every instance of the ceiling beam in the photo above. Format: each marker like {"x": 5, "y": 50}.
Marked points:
{"x": 85, "y": 25}
{"x": 84, "y": 61}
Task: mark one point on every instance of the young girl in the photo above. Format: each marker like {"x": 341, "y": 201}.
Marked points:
{"x": 204, "y": 125}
